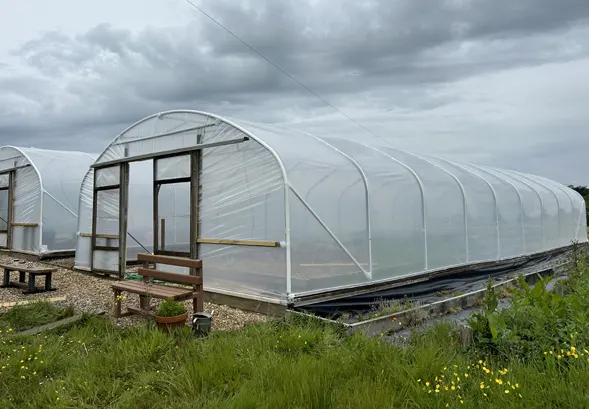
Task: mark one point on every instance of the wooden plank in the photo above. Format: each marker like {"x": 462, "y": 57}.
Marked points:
{"x": 155, "y": 290}
{"x": 139, "y": 311}
{"x": 182, "y": 254}
{"x": 257, "y": 243}
{"x": 101, "y": 236}
{"x": 25, "y": 269}
{"x": 51, "y": 325}
{"x": 167, "y": 154}
{"x": 170, "y": 277}
{"x": 14, "y": 303}
{"x": 17, "y": 224}
{"x": 106, "y": 248}
{"x": 169, "y": 260}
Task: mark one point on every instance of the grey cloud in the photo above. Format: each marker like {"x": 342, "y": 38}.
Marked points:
{"x": 389, "y": 56}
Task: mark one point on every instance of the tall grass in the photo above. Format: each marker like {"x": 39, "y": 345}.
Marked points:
{"x": 26, "y": 316}
{"x": 297, "y": 363}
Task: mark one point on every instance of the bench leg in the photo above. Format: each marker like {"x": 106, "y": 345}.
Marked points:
{"x": 21, "y": 276}
{"x": 6, "y": 278}
{"x": 143, "y": 302}
{"x": 48, "y": 282}
{"x": 118, "y": 311}
{"x": 198, "y": 304}
{"x": 32, "y": 289}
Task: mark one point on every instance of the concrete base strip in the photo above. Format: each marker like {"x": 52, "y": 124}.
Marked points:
{"x": 393, "y": 322}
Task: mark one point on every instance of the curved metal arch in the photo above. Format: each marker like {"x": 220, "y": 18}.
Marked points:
{"x": 567, "y": 193}
{"x": 464, "y": 206}
{"x": 421, "y": 190}
{"x": 323, "y": 179}
{"x": 493, "y": 192}
{"x": 539, "y": 198}
{"x": 262, "y": 143}
{"x": 550, "y": 188}
{"x": 366, "y": 189}
{"x": 544, "y": 187}
{"x": 521, "y": 203}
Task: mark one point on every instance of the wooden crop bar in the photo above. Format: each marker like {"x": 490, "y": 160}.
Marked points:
{"x": 256, "y": 243}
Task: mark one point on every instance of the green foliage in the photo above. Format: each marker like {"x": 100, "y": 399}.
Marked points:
{"x": 583, "y": 191}
{"x": 170, "y": 308}
{"x": 538, "y": 319}
{"x": 22, "y": 317}
{"x": 487, "y": 323}
{"x": 529, "y": 356}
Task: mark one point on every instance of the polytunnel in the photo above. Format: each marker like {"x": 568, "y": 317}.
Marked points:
{"x": 278, "y": 214}
{"x": 39, "y": 196}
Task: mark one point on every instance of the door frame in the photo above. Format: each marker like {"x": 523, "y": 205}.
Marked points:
{"x": 158, "y": 226}
{"x": 10, "y": 219}
{"x": 123, "y": 185}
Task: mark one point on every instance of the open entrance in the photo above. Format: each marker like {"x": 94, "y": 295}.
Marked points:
{"x": 172, "y": 204}
{"x": 119, "y": 233}
{"x": 6, "y": 209}
{"x": 175, "y": 208}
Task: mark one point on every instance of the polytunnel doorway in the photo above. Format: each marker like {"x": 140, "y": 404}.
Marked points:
{"x": 172, "y": 186}
{"x": 6, "y": 209}
{"x": 175, "y": 209}
{"x": 172, "y": 173}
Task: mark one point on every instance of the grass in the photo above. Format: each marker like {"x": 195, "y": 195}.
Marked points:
{"x": 300, "y": 363}
{"x": 22, "y": 317}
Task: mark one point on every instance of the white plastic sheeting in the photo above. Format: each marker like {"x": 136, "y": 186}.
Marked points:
{"x": 347, "y": 212}
{"x": 46, "y": 197}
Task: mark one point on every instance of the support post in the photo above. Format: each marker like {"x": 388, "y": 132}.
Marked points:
{"x": 198, "y": 303}
{"x": 94, "y": 217}
{"x": 156, "y": 189}
{"x": 123, "y": 207}
{"x": 10, "y": 209}
{"x": 163, "y": 234}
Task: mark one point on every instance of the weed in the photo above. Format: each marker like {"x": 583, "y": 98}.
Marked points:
{"x": 22, "y": 317}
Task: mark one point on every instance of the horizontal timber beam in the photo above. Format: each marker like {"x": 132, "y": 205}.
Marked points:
{"x": 167, "y": 154}
{"x": 257, "y": 243}
{"x": 25, "y": 224}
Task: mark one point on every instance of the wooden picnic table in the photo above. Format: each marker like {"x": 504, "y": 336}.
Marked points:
{"x": 29, "y": 287}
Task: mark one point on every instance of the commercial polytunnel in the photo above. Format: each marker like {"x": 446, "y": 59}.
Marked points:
{"x": 39, "y": 196}
{"x": 283, "y": 214}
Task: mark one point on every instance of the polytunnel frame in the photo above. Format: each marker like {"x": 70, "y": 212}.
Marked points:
{"x": 288, "y": 188}
{"x": 42, "y": 192}
{"x": 195, "y": 166}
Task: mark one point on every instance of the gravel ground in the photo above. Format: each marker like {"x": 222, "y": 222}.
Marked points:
{"x": 92, "y": 293}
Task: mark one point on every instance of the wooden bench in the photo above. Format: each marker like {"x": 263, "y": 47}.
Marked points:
{"x": 29, "y": 287}
{"x": 146, "y": 291}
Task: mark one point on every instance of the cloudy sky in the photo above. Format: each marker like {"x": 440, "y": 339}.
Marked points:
{"x": 497, "y": 82}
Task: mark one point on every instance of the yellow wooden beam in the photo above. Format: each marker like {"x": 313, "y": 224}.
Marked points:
{"x": 257, "y": 243}
{"x": 25, "y": 224}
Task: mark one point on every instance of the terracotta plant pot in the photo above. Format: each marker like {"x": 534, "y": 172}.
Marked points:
{"x": 167, "y": 323}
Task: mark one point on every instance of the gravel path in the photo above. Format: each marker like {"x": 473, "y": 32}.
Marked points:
{"x": 90, "y": 293}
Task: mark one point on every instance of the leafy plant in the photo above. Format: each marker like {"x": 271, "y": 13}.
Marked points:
{"x": 170, "y": 308}
{"x": 488, "y": 322}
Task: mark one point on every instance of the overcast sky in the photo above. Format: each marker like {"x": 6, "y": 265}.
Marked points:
{"x": 499, "y": 82}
